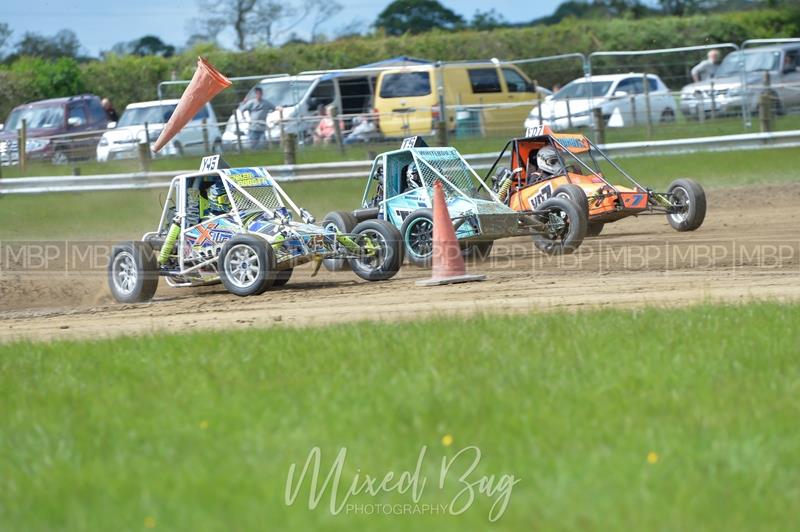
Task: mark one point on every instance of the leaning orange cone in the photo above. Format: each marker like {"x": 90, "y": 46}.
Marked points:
{"x": 206, "y": 83}
{"x": 448, "y": 264}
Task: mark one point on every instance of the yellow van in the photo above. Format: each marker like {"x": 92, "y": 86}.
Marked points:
{"x": 407, "y": 100}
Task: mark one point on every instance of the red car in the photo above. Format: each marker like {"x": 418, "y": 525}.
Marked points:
{"x": 58, "y": 130}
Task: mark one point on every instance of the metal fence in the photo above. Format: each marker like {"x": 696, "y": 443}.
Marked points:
{"x": 618, "y": 96}
{"x": 358, "y": 169}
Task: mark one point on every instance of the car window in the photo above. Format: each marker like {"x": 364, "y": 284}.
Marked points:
{"x": 96, "y": 111}
{"x": 652, "y": 84}
{"x": 515, "y": 82}
{"x": 484, "y": 80}
{"x": 405, "y": 84}
{"x": 136, "y": 116}
{"x": 754, "y": 61}
{"x": 286, "y": 92}
{"x": 78, "y": 111}
{"x": 39, "y": 118}
{"x": 790, "y": 60}
{"x": 323, "y": 93}
{"x": 631, "y": 85}
{"x": 583, "y": 89}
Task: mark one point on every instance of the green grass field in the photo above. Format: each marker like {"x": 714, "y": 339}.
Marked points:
{"x": 119, "y": 215}
{"x": 680, "y": 419}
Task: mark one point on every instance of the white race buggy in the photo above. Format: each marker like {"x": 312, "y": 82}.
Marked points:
{"x": 252, "y": 245}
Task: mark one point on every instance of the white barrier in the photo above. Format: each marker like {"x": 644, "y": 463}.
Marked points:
{"x": 354, "y": 169}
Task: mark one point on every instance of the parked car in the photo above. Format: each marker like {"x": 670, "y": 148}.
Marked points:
{"x": 621, "y": 95}
{"x": 750, "y": 65}
{"x": 122, "y": 141}
{"x": 297, "y": 98}
{"x": 407, "y": 99}
{"x": 57, "y": 130}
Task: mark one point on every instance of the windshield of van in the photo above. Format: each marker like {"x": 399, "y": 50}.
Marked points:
{"x": 582, "y": 89}
{"x": 753, "y": 62}
{"x": 136, "y": 116}
{"x": 285, "y": 93}
{"x": 36, "y": 118}
{"x": 405, "y": 84}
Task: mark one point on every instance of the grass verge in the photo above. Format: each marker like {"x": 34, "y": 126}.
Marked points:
{"x": 679, "y": 419}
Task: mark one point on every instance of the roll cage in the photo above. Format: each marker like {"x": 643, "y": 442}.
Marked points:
{"x": 522, "y": 147}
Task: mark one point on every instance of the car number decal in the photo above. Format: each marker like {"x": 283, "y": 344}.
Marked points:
{"x": 546, "y": 192}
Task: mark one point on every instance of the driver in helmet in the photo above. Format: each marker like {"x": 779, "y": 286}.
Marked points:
{"x": 413, "y": 179}
{"x": 218, "y": 202}
{"x": 548, "y": 165}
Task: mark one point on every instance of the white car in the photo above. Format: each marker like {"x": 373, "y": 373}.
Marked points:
{"x": 621, "y": 98}
{"x": 122, "y": 141}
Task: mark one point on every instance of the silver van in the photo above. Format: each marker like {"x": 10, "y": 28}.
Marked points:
{"x": 747, "y": 67}
{"x": 297, "y": 99}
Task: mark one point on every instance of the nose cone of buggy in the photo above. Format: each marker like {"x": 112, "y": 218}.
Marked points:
{"x": 491, "y": 220}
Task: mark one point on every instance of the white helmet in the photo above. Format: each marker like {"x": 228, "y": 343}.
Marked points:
{"x": 413, "y": 179}
{"x": 547, "y": 160}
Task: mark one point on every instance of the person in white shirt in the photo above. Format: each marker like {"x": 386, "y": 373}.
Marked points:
{"x": 705, "y": 69}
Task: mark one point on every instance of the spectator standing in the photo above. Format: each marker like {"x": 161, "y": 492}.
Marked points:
{"x": 705, "y": 69}
{"x": 108, "y": 107}
{"x": 257, "y": 109}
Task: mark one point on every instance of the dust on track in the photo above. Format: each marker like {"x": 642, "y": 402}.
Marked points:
{"x": 748, "y": 249}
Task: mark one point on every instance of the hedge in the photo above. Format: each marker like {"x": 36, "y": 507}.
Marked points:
{"x": 129, "y": 78}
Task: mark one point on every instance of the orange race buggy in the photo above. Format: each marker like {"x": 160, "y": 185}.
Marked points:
{"x": 583, "y": 179}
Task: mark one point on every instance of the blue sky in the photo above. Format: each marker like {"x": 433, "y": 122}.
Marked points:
{"x": 100, "y": 24}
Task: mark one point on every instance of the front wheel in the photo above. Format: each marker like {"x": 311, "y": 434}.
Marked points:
{"x": 417, "y": 232}
{"x": 688, "y": 205}
{"x": 246, "y": 265}
{"x": 381, "y": 250}
{"x": 133, "y": 272}
{"x": 344, "y": 222}
{"x": 565, "y": 227}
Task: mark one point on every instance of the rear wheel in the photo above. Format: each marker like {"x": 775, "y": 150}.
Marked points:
{"x": 688, "y": 205}
{"x": 575, "y": 194}
{"x": 667, "y": 115}
{"x": 246, "y": 265}
{"x": 417, "y": 233}
{"x": 566, "y": 227}
{"x": 133, "y": 272}
{"x": 384, "y": 250}
{"x": 344, "y": 222}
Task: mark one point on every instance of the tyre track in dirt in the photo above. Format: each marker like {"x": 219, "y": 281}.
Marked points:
{"x": 748, "y": 249}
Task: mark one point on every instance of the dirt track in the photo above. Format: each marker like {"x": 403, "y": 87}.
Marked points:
{"x": 748, "y": 248}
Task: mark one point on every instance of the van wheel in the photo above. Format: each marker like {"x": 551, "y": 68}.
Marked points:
{"x": 60, "y": 156}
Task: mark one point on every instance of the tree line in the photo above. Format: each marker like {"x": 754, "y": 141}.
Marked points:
{"x": 270, "y": 23}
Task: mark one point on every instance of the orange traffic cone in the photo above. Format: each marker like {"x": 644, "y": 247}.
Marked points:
{"x": 206, "y": 83}
{"x": 448, "y": 264}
